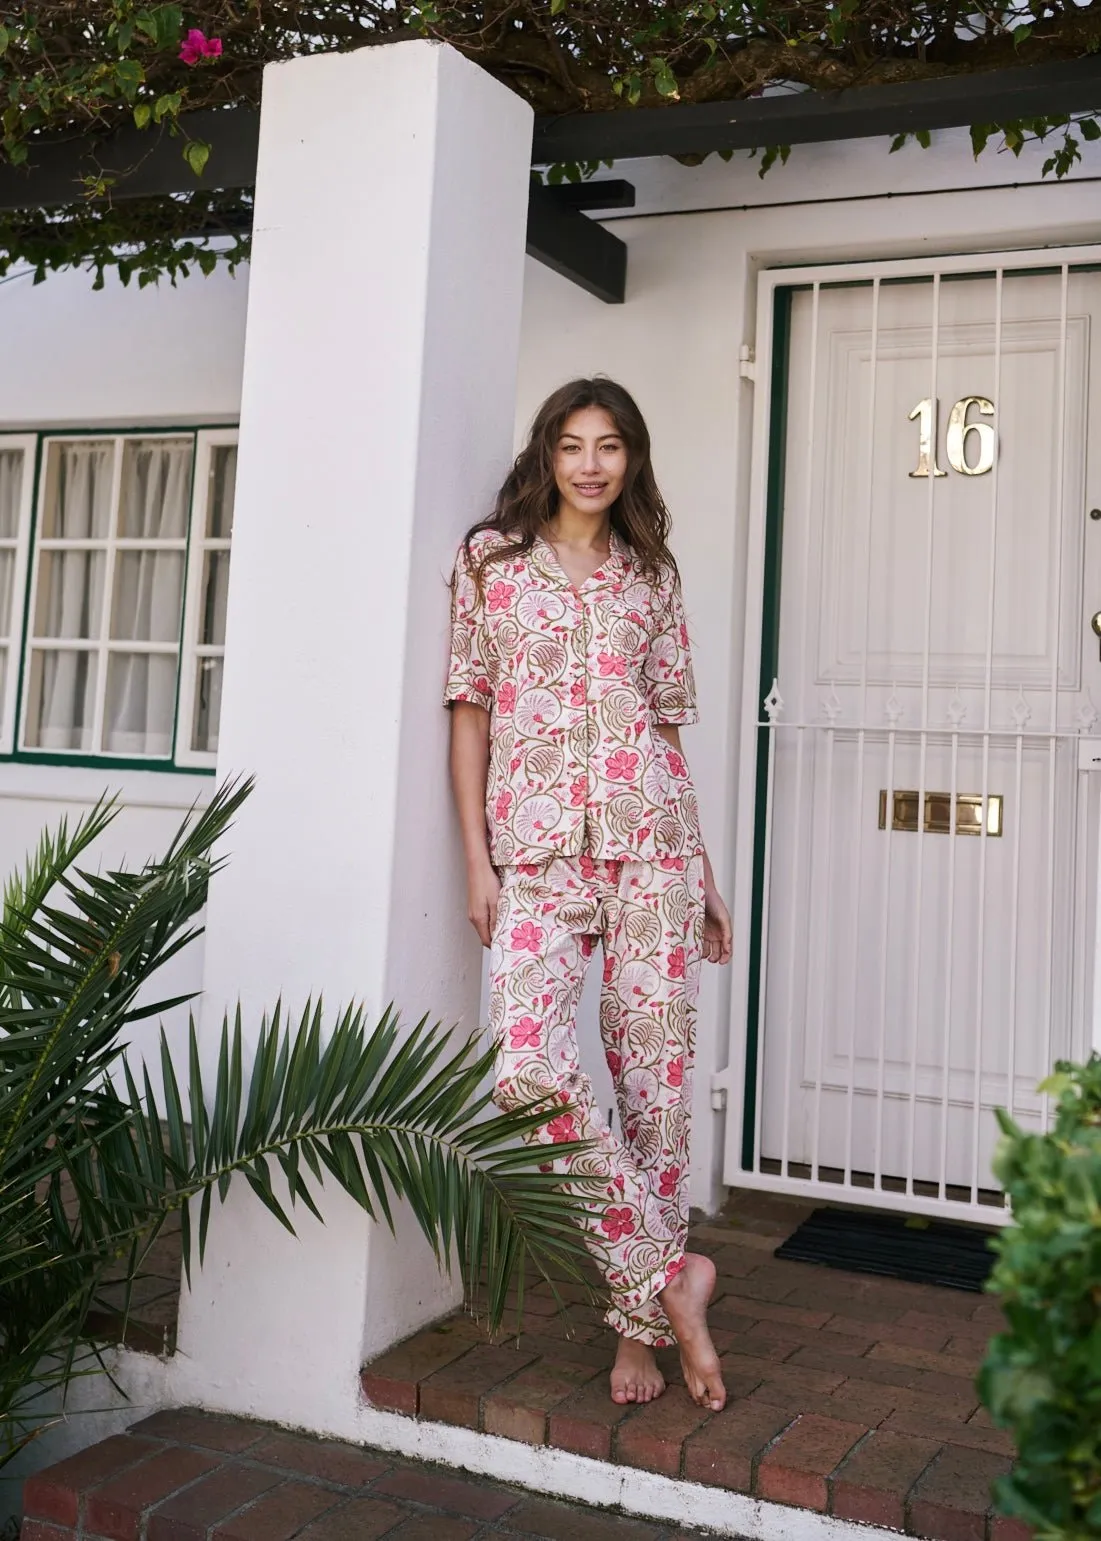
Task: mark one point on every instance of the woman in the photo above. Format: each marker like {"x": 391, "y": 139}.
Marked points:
{"x": 570, "y": 678}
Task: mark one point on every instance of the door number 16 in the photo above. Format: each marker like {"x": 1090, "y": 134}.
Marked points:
{"x": 955, "y": 440}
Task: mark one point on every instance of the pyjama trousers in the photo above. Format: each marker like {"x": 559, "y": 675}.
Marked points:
{"x": 649, "y": 918}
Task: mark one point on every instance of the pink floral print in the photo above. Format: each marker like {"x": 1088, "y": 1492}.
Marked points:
{"x": 642, "y": 914}
{"x": 576, "y": 681}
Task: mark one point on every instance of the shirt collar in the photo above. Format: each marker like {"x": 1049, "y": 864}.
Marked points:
{"x": 612, "y": 570}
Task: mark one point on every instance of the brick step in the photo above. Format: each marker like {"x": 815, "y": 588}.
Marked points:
{"x": 191, "y": 1476}
{"x": 849, "y": 1395}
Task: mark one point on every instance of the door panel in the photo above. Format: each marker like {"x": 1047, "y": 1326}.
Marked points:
{"x": 933, "y": 637}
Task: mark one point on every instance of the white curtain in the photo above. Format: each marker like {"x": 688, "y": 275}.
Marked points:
{"x": 11, "y": 487}
{"x": 148, "y": 594}
{"x": 70, "y": 593}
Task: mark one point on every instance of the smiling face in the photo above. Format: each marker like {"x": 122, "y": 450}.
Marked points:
{"x": 590, "y": 461}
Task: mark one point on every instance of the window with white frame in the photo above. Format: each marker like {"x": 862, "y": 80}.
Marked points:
{"x": 119, "y": 653}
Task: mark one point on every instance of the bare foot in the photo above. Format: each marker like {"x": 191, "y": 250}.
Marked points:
{"x": 685, "y": 1301}
{"x": 635, "y": 1374}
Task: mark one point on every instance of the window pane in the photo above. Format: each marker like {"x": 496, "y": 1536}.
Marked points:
{"x": 141, "y": 703}
{"x": 69, "y": 602}
{"x": 62, "y": 694}
{"x": 219, "y": 503}
{"x": 7, "y": 587}
{"x": 208, "y": 705}
{"x": 156, "y": 489}
{"x": 212, "y": 627}
{"x": 148, "y": 595}
{"x": 11, "y": 488}
{"x": 78, "y": 490}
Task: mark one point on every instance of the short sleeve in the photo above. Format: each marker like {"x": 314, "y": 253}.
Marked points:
{"x": 468, "y": 675}
{"x": 669, "y": 682}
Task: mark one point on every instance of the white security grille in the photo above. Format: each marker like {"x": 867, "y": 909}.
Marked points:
{"x": 915, "y": 910}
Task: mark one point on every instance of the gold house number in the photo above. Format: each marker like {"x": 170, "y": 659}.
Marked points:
{"x": 955, "y": 442}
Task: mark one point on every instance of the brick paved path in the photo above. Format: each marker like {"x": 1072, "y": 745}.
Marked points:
{"x": 188, "y": 1476}
{"x": 849, "y": 1395}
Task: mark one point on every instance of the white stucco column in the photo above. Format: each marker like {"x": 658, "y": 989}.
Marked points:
{"x": 377, "y": 410}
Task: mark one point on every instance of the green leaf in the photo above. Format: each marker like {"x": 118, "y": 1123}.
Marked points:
{"x": 129, "y": 75}
{"x": 557, "y": 6}
{"x": 5, "y": 38}
{"x": 167, "y": 105}
{"x": 1089, "y": 128}
{"x": 1021, "y": 34}
{"x": 980, "y": 135}
{"x": 143, "y": 114}
{"x": 665, "y": 82}
{"x": 196, "y": 154}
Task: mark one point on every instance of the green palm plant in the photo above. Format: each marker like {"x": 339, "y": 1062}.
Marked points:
{"x": 93, "y": 1161}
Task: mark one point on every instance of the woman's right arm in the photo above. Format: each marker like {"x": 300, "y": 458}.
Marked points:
{"x": 469, "y": 771}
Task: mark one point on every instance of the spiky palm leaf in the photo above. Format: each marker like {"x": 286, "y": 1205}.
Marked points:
{"x": 91, "y": 1164}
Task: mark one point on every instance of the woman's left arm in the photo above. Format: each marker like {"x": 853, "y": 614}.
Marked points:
{"x": 718, "y": 934}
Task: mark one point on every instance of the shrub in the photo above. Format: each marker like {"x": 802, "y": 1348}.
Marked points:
{"x": 1042, "y": 1377}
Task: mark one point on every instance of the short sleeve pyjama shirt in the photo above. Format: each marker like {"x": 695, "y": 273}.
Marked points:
{"x": 576, "y": 681}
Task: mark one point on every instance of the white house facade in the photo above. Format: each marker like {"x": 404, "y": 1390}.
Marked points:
{"x": 227, "y": 512}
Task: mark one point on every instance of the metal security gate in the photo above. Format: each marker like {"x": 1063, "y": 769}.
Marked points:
{"x": 916, "y": 925}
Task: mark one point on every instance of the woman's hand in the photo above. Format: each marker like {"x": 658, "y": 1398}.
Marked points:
{"x": 718, "y": 934}
{"x": 483, "y": 888}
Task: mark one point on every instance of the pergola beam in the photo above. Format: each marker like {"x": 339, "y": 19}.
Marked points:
{"x": 142, "y": 164}
{"x": 578, "y": 248}
{"x": 145, "y": 163}
{"x": 805, "y": 117}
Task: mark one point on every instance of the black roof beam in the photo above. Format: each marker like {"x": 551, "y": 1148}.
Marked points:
{"x": 805, "y": 117}
{"x": 563, "y": 239}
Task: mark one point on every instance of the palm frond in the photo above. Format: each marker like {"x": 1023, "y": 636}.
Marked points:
{"x": 92, "y": 1160}
{"x": 389, "y": 1116}
{"x": 56, "y": 851}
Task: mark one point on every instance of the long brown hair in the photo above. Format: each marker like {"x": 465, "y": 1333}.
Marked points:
{"x": 529, "y": 496}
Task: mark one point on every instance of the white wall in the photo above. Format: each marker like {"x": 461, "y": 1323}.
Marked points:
{"x": 367, "y": 438}
{"x": 119, "y": 357}
{"x": 691, "y": 298}
{"x": 696, "y": 237}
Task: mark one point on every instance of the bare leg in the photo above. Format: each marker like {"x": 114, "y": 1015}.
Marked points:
{"x": 686, "y": 1300}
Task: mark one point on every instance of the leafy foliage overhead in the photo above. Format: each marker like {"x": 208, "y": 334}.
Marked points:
{"x": 71, "y": 69}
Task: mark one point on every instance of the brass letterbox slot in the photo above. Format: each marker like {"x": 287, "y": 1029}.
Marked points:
{"x": 938, "y": 812}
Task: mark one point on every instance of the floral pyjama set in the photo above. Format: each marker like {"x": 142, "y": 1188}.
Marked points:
{"x": 594, "y": 831}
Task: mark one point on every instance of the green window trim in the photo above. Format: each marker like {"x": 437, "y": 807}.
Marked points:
{"x": 76, "y": 758}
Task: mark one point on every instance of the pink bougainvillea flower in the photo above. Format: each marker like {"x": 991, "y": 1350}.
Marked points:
{"x": 196, "y": 45}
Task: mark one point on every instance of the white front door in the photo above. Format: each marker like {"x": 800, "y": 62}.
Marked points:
{"x": 922, "y": 896}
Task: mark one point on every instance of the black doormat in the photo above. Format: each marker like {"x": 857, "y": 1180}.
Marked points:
{"x": 933, "y": 1252}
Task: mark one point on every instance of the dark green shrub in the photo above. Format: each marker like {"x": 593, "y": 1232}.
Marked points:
{"x": 1042, "y": 1377}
